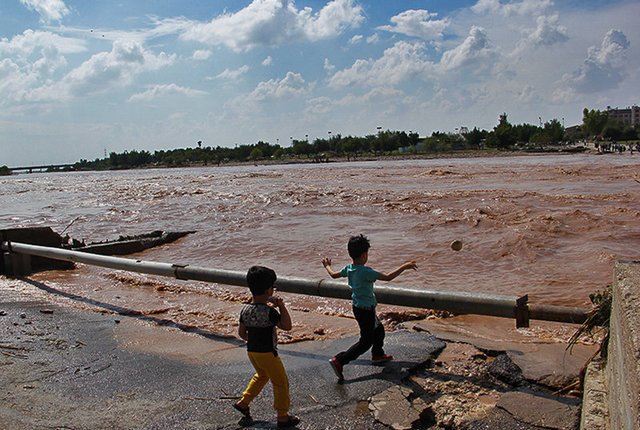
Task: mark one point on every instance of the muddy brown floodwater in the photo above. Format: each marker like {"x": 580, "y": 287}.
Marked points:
{"x": 548, "y": 226}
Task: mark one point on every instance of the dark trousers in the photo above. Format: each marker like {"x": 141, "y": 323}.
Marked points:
{"x": 371, "y": 336}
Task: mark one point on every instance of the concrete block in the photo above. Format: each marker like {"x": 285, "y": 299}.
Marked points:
{"x": 623, "y": 362}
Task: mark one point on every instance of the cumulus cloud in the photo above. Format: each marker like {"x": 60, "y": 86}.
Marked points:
{"x": 49, "y": 10}
{"x": 31, "y": 42}
{"x": 156, "y": 91}
{"x": 524, "y": 7}
{"x": 417, "y": 23}
{"x": 30, "y": 60}
{"x": 402, "y": 61}
{"x": 272, "y": 23}
{"x": 290, "y": 86}
{"x": 604, "y": 66}
{"x": 267, "y": 61}
{"x": 476, "y": 50}
{"x": 103, "y": 71}
{"x": 233, "y": 74}
{"x": 331, "y": 20}
{"x": 547, "y": 32}
{"x": 373, "y": 39}
{"x": 201, "y": 54}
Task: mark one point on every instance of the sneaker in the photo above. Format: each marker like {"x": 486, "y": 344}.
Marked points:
{"x": 244, "y": 410}
{"x": 377, "y": 359}
{"x": 337, "y": 368}
{"x": 291, "y": 421}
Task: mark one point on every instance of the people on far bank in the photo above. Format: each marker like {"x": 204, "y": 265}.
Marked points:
{"x": 361, "y": 279}
{"x": 259, "y": 321}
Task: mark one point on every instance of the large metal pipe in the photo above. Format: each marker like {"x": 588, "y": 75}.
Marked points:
{"x": 455, "y": 302}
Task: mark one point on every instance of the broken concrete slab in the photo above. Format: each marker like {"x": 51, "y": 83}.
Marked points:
{"x": 395, "y": 407}
{"x": 550, "y": 363}
{"x": 540, "y": 410}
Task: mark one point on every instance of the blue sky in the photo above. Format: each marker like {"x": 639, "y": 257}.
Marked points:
{"x": 81, "y": 78}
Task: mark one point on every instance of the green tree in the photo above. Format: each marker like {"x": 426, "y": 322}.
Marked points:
{"x": 256, "y": 154}
{"x": 554, "y": 130}
{"x": 594, "y": 121}
{"x": 503, "y": 134}
{"x": 475, "y": 137}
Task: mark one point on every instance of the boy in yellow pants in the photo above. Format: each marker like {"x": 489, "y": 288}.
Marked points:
{"x": 258, "y": 322}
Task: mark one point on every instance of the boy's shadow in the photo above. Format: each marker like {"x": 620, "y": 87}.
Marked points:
{"x": 246, "y": 422}
{"x": 393, "y": 371}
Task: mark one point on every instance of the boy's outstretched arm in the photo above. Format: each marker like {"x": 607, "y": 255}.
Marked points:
{"x": 326, "y": 262}
{"x": 392, "y": 275}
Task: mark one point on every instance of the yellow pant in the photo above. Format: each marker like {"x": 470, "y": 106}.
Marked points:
{"x": 268, "y": 367}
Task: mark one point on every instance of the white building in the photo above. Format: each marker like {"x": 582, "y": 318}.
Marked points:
{"x": 629, "y": 116}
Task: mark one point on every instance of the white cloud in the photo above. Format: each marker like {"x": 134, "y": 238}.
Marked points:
{"x": 319, "y": 105}
{"x": 604, "y": 66}
{"x": 417, "y": 23}
{"x": 267, "y": 61}
{"x": 104, "y": 71}
{"x": 290, "y": 86}
{"x": 201, "y": 54}
{"x": 32, "y": 42}
{"x": 399, "y": 63}
{"x": 285, "y": 90}
{"x": 528, "y": 94}
{"x": 373, "y": 39}
{"x": 382, "y": 95}
{"x": 333, "y": 19}
{"x": 475, "y": 50}
{"x": 524, "y": 7}
{"x": 356, "y": 39}
{"x": 32, "y": 59}
{"x": 233, "y": 74}
{"x": 272, "y": 23}
{"x": 547, "y": 32}
{"x": 156, "y": 91}
{"x": 49, "y": 10}
{"x": 14, "y": 82}
{"x": 328, "y": 66}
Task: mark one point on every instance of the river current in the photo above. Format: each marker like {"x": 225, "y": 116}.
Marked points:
{"x": 548, "y": 226}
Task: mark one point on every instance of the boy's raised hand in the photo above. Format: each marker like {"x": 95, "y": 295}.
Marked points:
{"x": 410, "y": 265}
{"x": 277, "y": 301}
{"x": 326, "y": 261}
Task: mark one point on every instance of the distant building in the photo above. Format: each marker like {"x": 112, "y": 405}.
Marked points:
{"x": 629, "y": 116}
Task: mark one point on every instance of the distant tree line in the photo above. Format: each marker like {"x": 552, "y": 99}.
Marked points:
{"x": 504, "y": 136}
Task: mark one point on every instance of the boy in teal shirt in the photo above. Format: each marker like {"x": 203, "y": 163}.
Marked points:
{"x": 361, "y": 279}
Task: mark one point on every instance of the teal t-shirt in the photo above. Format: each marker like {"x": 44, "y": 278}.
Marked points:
{"x": 361, "y": 279}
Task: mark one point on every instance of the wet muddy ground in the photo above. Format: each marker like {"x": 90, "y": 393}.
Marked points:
{"x": 64, "y": 367}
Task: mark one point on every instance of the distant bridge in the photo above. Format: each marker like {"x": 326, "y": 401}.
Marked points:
{"x": 44, "y": 167}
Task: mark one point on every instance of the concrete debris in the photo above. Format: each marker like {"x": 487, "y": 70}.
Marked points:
{"x": 506, "y": 370}
{"x": 394, "y": 408}
{"x": 542, "y": 411}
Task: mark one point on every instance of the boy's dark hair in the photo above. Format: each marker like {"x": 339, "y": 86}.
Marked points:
{"x": 358, "y": 245}
{"x": 260, "y": 279}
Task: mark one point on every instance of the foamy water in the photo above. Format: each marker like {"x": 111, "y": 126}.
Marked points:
{"x": 549, "y": 226}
